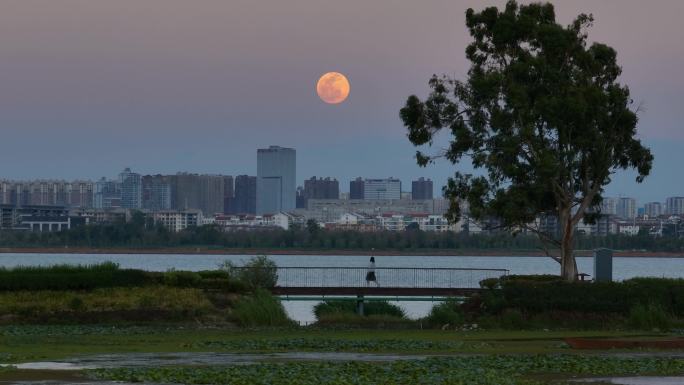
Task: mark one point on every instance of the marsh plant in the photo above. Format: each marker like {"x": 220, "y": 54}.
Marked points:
{"x": 260, "y": 309}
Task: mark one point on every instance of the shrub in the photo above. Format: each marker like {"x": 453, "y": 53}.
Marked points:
{"x": 533, "y": 296}
{"x": 181, "y": 278}
{"x": 258, "y": 272}
{"x": 512, "y": 319}
{"x": 446, "y": 313}
{"x": 260, "y": 309}
{"x": 647, "y": 317}
{"x": 370, "y": 308}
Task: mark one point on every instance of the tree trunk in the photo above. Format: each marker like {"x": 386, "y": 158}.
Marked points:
{"x": 568, "y": 265}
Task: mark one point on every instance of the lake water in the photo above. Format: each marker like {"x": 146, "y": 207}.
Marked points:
{"x": 623, "y": 268}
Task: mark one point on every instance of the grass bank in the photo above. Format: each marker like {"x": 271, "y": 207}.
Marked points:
{"x": 21, "y": 343}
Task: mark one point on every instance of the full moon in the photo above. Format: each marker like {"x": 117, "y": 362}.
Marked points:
{"x": 333, "y": 87}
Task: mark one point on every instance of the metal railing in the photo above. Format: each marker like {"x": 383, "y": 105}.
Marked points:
{"x": 387, "y": 277}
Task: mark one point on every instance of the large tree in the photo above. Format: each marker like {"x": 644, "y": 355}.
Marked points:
{"x": 541, "y": 117}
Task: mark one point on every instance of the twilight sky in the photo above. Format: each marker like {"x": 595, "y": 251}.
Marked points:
{"x": 90, "y": 87}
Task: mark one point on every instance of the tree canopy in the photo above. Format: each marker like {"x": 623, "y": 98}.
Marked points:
{"x": 541, "y": 116}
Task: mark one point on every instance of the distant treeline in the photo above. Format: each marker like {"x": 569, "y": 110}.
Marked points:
{"x": 138, "y": 233}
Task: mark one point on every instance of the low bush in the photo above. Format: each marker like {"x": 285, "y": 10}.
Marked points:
{"x": 181, "y": 278}
{"x": 446, "y": 313}
{"x": 258, "y": 272}
{"x": 370, "y": 308}
{"x": 648, "y": 317}
{"x": 260, "y": 309}
{"x": 543, "y": 295}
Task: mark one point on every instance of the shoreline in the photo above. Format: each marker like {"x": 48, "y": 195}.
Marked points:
{"x": 326, "y": 252}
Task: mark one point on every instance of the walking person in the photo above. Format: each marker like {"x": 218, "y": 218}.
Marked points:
{"x": 370, "y": 275}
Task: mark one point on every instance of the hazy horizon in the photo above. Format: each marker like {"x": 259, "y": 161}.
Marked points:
{"x": 161, "y": 86}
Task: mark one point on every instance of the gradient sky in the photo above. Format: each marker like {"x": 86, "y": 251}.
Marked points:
{"x": 90, "y": 87}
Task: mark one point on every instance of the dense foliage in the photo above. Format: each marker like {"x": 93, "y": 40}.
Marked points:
{"x": 370, "y": 308}
{"x": 534, "y": 295}
{"x": 125, "y": 235}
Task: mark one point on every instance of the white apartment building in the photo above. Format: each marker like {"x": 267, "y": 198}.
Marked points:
{"x": 178, "y": 220}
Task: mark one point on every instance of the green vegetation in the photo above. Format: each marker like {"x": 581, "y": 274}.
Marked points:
{"x": 471, "y": 370}
{"x": 651, "y": 316}
{"x": 108, "y": 275}
{"x": 446, "y": 314}
{"x": 258, "y": 272}
{"x": 376, "y": 314}
{"x": 69, "y": 277}
{"x": 537, "y": 295}
{"x": 104, "y": 293}
{"x": 370, "y": 308}
{"x": 260, "y": 309}
{"x": 142, "y": 303}
{"x": 516, "y": 302}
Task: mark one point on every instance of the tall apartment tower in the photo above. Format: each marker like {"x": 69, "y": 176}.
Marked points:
{"x": 675, "y": 206}
{"x": 198, "y": 191}
{"x": 421, "y": 189}
{"x": 244, "y": 196}
{"x": 626, "y": 208}
{"x": 320, "y": 188}
{"x": 276, "y": 180}
{"x": 653, "y": 209}
{"x": 131, "y": 189}
{"x": 609, "y": 206}
{"x": 356, "y": 189}
{"x": 156, "y": 192}
{"x": 107, "y": 194}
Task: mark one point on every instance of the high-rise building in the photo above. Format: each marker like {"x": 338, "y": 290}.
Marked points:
{"x": 609, "y": 206}
{"x": 107, "y": 194}
{"x": 81, "y": 194}
{"x": 276, "y": 180}
{"x": 675, "y": 206}
{"x": 195, "y": 191}
{"x": 228, "y": 192}
{"x": 421, "y": 189}
{"x": 131, "y": 189}
{"x": 244, "y": 197}
{"x": 356, "y": 189}
{"x": 653, "y": 209}
{"x": 77, "y": 194}
{"x": 156, "y": 193}
{"x": 320, "y": 188}
{"x": 301, "y": 199}
{"x": 375, "y": 189}
{"x": 626, "y": 208}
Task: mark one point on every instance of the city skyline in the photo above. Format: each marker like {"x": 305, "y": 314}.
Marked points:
{"x": 122, "y": 84}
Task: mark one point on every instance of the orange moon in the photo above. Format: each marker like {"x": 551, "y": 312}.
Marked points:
{"x": 333, "y": 88}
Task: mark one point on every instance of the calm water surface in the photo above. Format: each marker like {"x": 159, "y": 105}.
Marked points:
{"x": 623, "y": 268}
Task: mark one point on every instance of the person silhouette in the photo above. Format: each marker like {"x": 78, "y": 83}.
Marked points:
{"x": 370, "y": 274}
